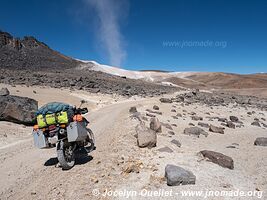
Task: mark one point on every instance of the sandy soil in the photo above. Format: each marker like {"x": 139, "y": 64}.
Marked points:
{"x": 30, "y": 173}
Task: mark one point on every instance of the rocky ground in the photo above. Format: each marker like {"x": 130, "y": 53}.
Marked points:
{"x": 187, "y": 141}
{"x": 87, "y": 80}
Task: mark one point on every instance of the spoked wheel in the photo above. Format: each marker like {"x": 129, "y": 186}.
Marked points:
{"x": 65, "y": 155}
{"x": 90, "y": 140}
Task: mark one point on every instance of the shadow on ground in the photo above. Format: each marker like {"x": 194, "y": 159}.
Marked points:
{"x": 80, "y": 160}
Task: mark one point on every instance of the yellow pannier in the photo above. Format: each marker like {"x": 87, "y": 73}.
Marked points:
{"x": 62, "y": 117}
{"x": 41, "y": 121}
{"x": 50, "y": 119}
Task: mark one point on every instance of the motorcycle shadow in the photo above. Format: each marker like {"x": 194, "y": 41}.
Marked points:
{"x": 81, "y": 159}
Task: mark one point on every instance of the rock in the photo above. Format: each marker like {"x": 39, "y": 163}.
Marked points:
{"x": 176, "y": 175}
{"x": 4, "y": 92}
{"x": 175, "y": 125}
{"x": 155, "y": 107}
{"x": 195, "y": 131}
{"x": 18, "y": 109}
{"x": 234, "y": 118}
{"x": 174, "y": 117}
{"x": 261, "y": 141}
{"x": 150, "y": 115}
{"x": 191, "y": 124}
{"x": 171, "y": 132}
{"x": 256, "y": 123}
{"x": 168, "y": 126}
{"x": 132, "y": 166}
{"x": 165, "y": 100}
{"x": 155, "y": 125}
{"x": 145, "y": 136}
{"x": 219, "y": 158}
{"x": 165, "y": 149}
{"x": 205, "y": 125}
{"x": 133, "y": 109}
{"x": 154, "y": 112}
{"x": 179, "y": 115}
{"x": 216, "y": 129}
{"x": 230, "y": 124}
{"x": 231, "y": 147}
{"x": 176, "y": 142}
{"x": 173, "y": 110}
{"x": 220, "y": 119}
{"x": 196, "y": 118}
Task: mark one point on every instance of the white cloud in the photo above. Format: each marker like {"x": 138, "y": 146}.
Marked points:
{"x": 109, "y": 15}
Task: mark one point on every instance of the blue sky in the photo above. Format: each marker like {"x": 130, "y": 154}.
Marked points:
{"x": 175, "y": 35}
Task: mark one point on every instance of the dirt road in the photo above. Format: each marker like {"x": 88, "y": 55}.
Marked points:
{"x": 30, "y": 173}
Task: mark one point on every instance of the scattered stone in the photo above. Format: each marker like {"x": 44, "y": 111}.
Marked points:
{"x": 230, "y": 124}
{"x": 174, "y": 117}
{"x": 176, "y": 142}
{"x": 261, "y": 141}
{"x": 168, "y": 126}
{"x": 178, "y": 176}
{"x": 165, "y": 149}
{"x": 219, "y": 158}
{"x": 34, "y": 91}
{"x": 231, "y": 147}
{"x": 154, "y": 112}
{"x": 179, "y": 115}
{"x": 145, "y": 136}
{"x": 155, "y": 107}
{"x": 171, "y": 132}
{"x": 205, "y": 125}
{"x": 195, "y": 131}
{"x": 196, "y": 118}
{"x": 191, "y": 124}
{"x": 165, "y": 100}
{"x": 175, "y": 125}
{"x": 216, "y": 129}
{"x": 173, "y": 110}
{"x": 234, "y": 118}
{"x": 256, "y": 123}
{"x": 133, "y": 109}
{"x": 220, "y": 119}
{"x": 132, "y": 167}
{"x": 150, "y": 115}
{"x": 155, "y": 125}
{"x": 4, "y": 92}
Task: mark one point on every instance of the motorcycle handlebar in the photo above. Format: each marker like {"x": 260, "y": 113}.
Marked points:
{"x": 81, "y": 111}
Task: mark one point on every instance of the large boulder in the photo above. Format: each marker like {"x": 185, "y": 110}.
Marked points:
{"x": 219, "y": 158}
{"x": 195, "y": 131}
{"x": 155, "y": 124}
{"x": 18, "y": 109}
{"x": 176, "y": 175}
{"x": 145, "y": 136}
{"x": 261, "y": 141}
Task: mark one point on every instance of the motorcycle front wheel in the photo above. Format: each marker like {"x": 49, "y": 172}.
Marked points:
{"x": 65, "y": 155}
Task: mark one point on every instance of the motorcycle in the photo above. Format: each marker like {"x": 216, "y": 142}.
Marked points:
{"x": 69, "y": 139}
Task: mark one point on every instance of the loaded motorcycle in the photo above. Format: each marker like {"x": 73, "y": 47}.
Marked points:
{"x": 69, "y": 138}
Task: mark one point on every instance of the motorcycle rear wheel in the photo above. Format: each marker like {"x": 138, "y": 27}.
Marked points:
{"x": 65, "y": 155}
